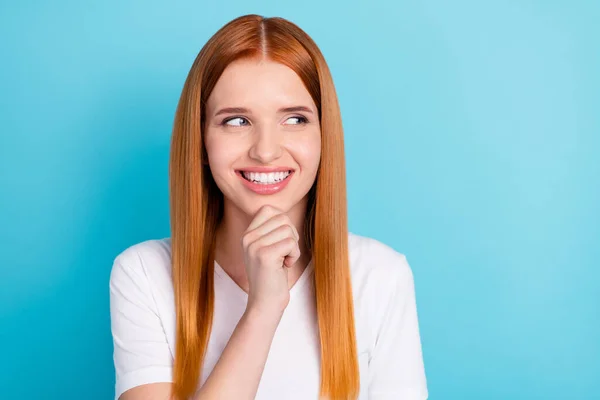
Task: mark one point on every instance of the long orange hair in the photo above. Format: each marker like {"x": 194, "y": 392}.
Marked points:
{"x": 197, "y": 204}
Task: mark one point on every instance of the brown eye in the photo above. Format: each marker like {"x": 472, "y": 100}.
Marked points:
{"x": 299, "y": 120}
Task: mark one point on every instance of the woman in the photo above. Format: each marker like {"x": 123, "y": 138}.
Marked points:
{"x": 261, "y": 292}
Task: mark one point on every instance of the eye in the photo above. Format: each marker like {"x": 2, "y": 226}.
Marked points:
{"x": 235, "y": 121}
{"x": 300, "y": 120}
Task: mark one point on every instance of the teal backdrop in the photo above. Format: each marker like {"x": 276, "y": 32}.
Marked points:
{"x": 472, "y": 140}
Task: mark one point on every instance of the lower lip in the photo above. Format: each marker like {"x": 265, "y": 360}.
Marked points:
{"x": 265, "y": 188}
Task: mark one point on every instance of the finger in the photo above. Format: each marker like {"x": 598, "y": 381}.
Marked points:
{"x": 286, "y": 250}
{"x": 276, "y": 235}
{"x": 270, "y": 225}
{"x": 293, "y": 257}
{"x": 262, "y": 215}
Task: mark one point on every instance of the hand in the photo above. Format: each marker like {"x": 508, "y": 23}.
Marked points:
{"x": 270, "y": 247}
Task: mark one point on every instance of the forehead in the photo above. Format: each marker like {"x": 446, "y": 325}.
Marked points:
{"x": 257, "y": 84}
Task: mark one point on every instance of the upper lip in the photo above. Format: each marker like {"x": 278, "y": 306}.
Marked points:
{"x": 266, "y": 169}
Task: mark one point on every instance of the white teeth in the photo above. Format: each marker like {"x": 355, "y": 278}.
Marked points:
{"x": 265, "y": 178}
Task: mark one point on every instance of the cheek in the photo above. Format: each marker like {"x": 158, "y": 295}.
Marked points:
{"x": 221, "y": 153}
{"x": 220, "y": 158}
{"x": 308, "y": 152}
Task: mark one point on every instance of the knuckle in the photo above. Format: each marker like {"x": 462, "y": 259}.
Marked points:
{"x": 262, "y": 253}
{"x": 269, "y": 208}
{"x": 282, "y": 219}
{"x": 251, "y": 249}
{"x": 290, "y": 230}
{"x": 245, "y": 240}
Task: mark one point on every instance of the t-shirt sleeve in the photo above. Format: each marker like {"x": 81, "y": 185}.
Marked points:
{"x": 396, "y": 370}
{"x": 141, "y": 352}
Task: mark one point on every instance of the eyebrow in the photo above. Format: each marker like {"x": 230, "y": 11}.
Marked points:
{"x": 242, "y": 110}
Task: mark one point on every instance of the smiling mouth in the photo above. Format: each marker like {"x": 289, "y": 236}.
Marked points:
{"x": 265, "y": 178}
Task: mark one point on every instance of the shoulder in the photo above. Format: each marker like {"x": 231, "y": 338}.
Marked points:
{"x": 382, "y": 281}
{"x": 379, "y": 274}
{"x": 373, "y": 260}
{"x": 146, "y": 257}
{"x": 144, "y": 264}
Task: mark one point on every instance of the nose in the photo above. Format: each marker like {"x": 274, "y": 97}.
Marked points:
{"x": 266, "y": 145}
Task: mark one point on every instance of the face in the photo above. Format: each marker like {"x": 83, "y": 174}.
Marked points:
{"x": 262, "y": 136}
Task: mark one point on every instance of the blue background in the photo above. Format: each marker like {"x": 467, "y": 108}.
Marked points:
{"x": 472, "y": 133}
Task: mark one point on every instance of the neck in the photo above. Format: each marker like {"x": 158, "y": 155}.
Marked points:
{"x": 229, "y": 252}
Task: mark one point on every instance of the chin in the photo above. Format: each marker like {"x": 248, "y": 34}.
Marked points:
{"x": 249, "y": 204}
{"x": 255, "y": 205}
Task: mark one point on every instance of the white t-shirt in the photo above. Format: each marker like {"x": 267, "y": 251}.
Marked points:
{"x": 142, "y": 312}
